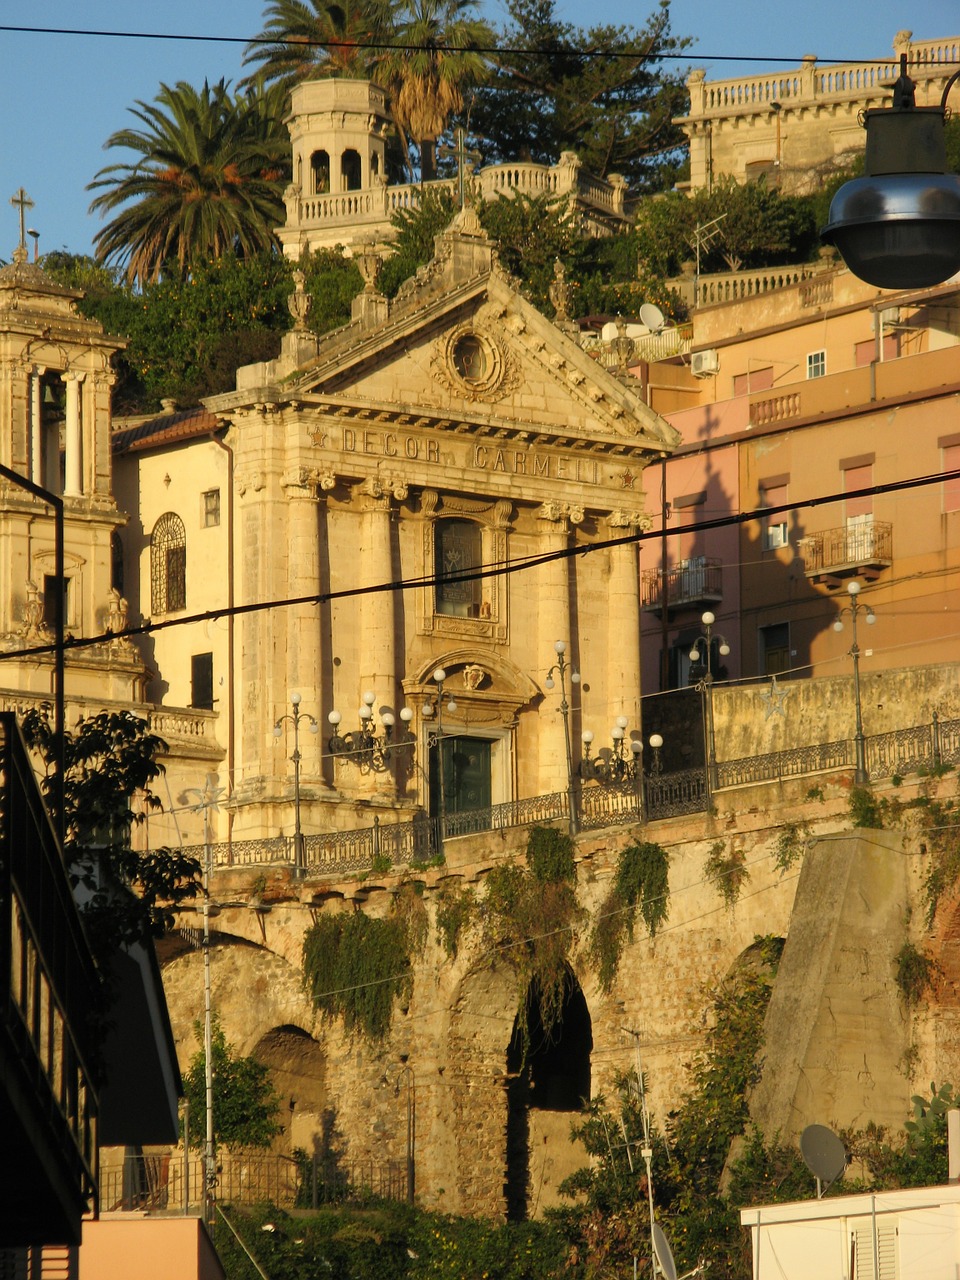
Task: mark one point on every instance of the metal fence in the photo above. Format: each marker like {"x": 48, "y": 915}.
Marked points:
{"x": 916, "y": 749}
{"x": 169, "y": 1182}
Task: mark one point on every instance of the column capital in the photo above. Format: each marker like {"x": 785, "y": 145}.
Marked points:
{"x": 384, "y": 487}
{"x": 621, "y": 519}
{"x": 561, "y": 513}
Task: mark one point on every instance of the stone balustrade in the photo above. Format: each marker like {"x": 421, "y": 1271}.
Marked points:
{"x": 733, "y": 286}
{"x": 927, "y": 60}
{"x": 371, "y": 209}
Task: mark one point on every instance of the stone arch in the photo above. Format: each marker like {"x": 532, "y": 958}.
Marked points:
{"x": 351, "y": 170}
{"x": 545, "y": 1087}
{"x": 254, "y": 992}
{"x": 470, "y": 1142}
{"x": 298, "y": 1068}
{"x": 319, "y": 173}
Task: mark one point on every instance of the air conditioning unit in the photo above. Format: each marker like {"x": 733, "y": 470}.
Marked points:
{"x": 704, "y": 364}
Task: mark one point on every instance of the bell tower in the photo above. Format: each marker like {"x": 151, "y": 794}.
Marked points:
{"x": 338, "y": 130}
{"x": 55, "y": 385}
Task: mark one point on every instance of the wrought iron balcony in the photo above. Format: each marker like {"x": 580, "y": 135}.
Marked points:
{"x": 861, "y": 549}
{"x": 692, "y": 584}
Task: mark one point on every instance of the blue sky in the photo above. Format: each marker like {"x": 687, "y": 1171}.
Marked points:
{"x": 61, "y": 95}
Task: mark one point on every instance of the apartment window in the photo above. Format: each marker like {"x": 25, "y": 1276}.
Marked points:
{"x": 458, "y": 550}
{"x": 211, "y": 508}
{"x": 201, "y": 681}
{"x": 775, "y": 649}
{"x": 773, "y": 493}
{"x": 168, "y": 564}
{"x": 950, "y": 454}
{"x": 744, "y": 384}
{"x": 816, "y": 364}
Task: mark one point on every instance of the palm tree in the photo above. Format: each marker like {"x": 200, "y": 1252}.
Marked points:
{"x": 208, "y": 180}
{"x": 303, "y": 39}
{"x": 434, "y": 59}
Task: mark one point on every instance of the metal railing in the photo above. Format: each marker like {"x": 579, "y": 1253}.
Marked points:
{"x": 917, "y": 748}
{"x": 850, "y": 546}
{"x": 169, "y": 1183}
{"x": 693, "y": 581}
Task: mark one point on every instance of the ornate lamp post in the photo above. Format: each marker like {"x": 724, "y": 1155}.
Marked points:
{"x": 435, "y": 741}
{"x": 364, "y": 746}
{"x": 855, "y": 608}
{"x": 295, "y": 717}
{"x": 561, "y": 667}
{"x": 706, "y": 686}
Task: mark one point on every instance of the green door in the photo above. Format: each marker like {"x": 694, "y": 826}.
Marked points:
{"x": 466, "y": 775}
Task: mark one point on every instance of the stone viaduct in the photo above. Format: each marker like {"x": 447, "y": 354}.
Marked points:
{"x": 841, "y": 1044}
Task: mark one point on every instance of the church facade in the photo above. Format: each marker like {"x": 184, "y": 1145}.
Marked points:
{"x": 430, "y": 489}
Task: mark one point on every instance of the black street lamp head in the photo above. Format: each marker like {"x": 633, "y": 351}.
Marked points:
{"x": 898, "y": 227}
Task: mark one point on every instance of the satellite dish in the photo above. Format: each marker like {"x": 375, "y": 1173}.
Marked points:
{"x": 661, "y": 1247}
{"x": 823, "y": 1154}
{"x": 652, "y": 317}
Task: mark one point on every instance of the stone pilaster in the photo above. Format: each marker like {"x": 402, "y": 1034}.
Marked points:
{"x": 623, "y": 640}
{"x": 554, "y": 625}
{"x": 73, "y": 459}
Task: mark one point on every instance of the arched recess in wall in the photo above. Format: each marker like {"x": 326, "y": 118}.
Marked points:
{"x": 254, "y": 993}
{"x": 546, "y": 1085}
{"x": 298, "y": 1069}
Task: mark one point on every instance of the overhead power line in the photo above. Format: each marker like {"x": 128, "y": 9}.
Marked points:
{"x": 629, "y": 53}
{"x": 485, "y": 571}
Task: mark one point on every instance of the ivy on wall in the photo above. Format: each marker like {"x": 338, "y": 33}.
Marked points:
{"x": 529, "y": 916}
{"x": 355, "y": 966}
{"x": 641, "y": 883}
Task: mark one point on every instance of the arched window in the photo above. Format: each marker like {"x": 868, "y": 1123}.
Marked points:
{"x": 458, "y": 550}
{"x": 350, "y": 170}
{"x": 320, "y": 173}
{"x": 168, "y": 564}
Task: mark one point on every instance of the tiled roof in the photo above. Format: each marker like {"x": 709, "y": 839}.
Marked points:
{"x": 168, "y": 428}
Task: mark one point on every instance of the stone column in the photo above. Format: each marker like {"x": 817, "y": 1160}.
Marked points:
{"x": 554, "y": 624}
{"x": 303, "y": 579}
{"x": 73, "y": 460}
{"x": 36, "y": 426}
{"x": 304, "y": 654}
{"x": 623, "y": 639}
{"x": 377, "y": 631}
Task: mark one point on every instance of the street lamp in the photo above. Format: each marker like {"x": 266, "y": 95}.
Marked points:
{"x": 364, "y": 746}
{"x": 294, "y": 717}
{"x": 706, "y": 686}
{"x": 435, "y": 742}
{"x": 561, "y": 667}
{"x": 898, "y": 227}
{"x": 619, "y": 762}
{"x": 207, "y": 802}
{"x": 861, "y": 777}
{"x": 405, "y": 1073}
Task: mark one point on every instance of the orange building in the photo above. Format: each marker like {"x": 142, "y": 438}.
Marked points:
{"x": 816, "y": 401}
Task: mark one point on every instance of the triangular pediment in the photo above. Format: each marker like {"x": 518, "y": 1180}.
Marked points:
{"x": 461, "y": 347}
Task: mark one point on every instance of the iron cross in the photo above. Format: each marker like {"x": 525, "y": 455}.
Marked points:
{"x": 463, "y": 157}
{"x": 25, "y": 203}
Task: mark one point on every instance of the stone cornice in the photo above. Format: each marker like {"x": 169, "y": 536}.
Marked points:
{"x": 489, "y": 430}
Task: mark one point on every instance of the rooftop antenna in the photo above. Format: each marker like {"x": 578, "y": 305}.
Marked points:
{"x": 823, "y": 1154}
{"x": 704, "y": 235}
